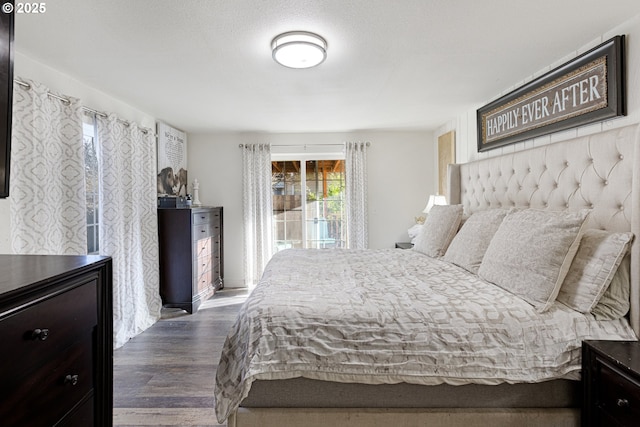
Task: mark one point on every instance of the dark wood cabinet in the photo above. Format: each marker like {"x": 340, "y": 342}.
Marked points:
{"x": 191, "y": 255}
{"x": 56, "y": 332}
{"x": 611, "y": 380}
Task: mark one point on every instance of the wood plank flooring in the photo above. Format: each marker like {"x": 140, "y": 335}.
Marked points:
{"x": 165, "y": 376}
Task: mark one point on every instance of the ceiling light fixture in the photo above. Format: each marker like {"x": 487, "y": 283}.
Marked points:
{"x": 299, "y": 49}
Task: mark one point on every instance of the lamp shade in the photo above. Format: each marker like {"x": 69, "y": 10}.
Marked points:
{"x": 299, "y": 49}
{"x": 434, "y": 199}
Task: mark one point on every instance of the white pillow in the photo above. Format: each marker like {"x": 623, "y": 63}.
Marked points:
{"x": 531, "y": 252}
{"x": 441, "y": 225}
{"x": 470, "y": 244}
{"x": 593, "y": 268}
{"x": 614, "y": 304}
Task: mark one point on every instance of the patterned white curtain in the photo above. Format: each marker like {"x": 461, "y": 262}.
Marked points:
{"x": 47, "y": 187}
{"x": 257, "y": 209}
{"x": 356, "y": 195}
{"x": 129, "y": 224}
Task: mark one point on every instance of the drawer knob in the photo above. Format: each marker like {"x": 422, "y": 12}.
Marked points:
{"x": 71, "y": 379}
{"x": 622, "y": 403}
{"x": 40, "y": 334}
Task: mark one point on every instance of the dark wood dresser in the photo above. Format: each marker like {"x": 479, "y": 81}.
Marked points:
{"x": 56, "y": 333}
{"x": 611, "y": 380}
{"x": 191, "y": 255}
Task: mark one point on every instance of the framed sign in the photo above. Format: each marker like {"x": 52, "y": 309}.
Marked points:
{"x": 172, "y": 161}
{"x": 586, "y": 89}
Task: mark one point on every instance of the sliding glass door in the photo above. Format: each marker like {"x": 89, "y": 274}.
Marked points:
{"x": 308, "y": 203}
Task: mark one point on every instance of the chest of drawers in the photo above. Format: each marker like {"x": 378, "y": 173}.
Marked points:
{"x": 611, "y": 379}
{"x": 56, "y": 333}
{"x": 191, "y": 255}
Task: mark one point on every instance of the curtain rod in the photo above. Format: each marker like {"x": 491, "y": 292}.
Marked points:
{"x": 68, "y": 101}
{"x": 305, "y": 145}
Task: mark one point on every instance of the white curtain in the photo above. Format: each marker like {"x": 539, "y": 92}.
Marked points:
{"x": 356, "y": 195}
{"x": 47, "y": 187}
{"x": 257, "y": 209}
{"x": 128, "y": 224}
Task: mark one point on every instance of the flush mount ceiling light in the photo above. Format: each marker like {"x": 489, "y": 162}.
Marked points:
{"x": 299, "y": 49}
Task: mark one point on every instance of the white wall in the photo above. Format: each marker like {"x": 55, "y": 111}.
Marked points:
{"x": 63, "y": 84}
{"x": 399, "y": 181}
{"x": 399, "y": 172}
{"x": 465, "y": 124}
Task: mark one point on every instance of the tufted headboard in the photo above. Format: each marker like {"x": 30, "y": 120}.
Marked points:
{"x": 600, "y": 172}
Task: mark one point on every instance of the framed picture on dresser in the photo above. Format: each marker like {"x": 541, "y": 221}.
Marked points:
{"x": 172, "y": 161}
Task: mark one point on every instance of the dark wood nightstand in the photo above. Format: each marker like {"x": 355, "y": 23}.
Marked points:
{"x": 611, "y": 383}
{"x": 404, "y": 245}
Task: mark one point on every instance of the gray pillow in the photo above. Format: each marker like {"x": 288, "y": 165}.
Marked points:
{"x": 531, "y": 252}
{"x": 593, "y": 268}
{"x": 439, "y": 228}
{"x": 470, "y": 244}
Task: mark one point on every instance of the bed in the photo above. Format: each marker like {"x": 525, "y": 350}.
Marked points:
{"x": 426, "y": 337}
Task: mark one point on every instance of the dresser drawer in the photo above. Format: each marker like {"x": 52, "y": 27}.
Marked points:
{"x": 215, "y": 218}
{"x": 202, "y": 217}
{"x": 215, "y": 229}
{"x": 202, "y": 264}
{"x": 38, "y": 332}
{"x": 203, "y": 285}
{"x": 54, "y": 388}
{"x": 618, "y": 394}
{"x": 201, "y": 231}
{"x": 203, "y": 247}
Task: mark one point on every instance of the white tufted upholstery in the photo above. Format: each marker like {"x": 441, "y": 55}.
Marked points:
{"x": 594, "y": 171}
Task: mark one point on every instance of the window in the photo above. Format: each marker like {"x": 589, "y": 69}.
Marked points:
{"x": 308, "y": 203}
{"x": 91, "y": 183}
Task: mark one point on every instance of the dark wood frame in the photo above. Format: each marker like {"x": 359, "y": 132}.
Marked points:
{"x": 6, "y": 97}
{"x": 613, "y": 52}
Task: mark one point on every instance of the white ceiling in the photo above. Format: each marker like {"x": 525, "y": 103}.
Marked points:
{"x": 206, "y": 66}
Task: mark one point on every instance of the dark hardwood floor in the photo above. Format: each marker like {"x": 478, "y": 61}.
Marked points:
{"x": 165, "y": 376}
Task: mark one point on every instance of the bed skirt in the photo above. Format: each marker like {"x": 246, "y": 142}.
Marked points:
{"x": 335, "y": 417}
{"x": 312, "y": 403}
{"x": 308, "y": 393}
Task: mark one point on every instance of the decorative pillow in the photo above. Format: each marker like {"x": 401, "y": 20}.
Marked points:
{"x": 468, "y": 246}
{"x": 614, "y": 304}
{"x": 593, "y": 268}
{"x": 531, "y": 252}
{"x": 439, "y": 228}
